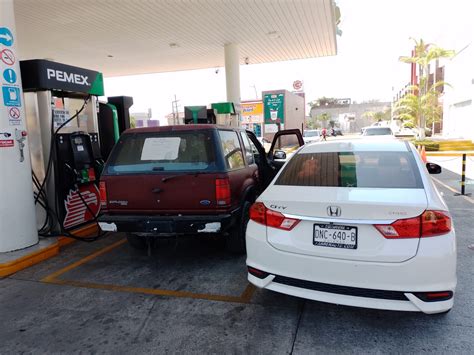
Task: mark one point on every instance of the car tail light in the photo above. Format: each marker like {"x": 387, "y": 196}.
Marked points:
{"x": 434, "y": 296}
{"x": 257, "y": 212}
{"x": 223, "y": 192}
{"x": 435, "y": 223}
{"x": 428, "y": 224}
{"x": 257, "y": 273}
{"x": 103, "y": 194}
{"x": 402, "y": 228}
{"x": 261, "y": 214}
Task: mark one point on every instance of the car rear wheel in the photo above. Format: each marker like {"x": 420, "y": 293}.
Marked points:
{"x": 235, "y": 241}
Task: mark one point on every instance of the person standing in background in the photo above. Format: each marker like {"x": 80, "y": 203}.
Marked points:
{"x": 324, "y": 133}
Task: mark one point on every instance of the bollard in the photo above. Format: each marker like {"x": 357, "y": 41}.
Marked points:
{"x": 463, "y": 178}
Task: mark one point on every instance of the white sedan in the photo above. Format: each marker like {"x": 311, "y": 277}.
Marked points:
{"x": 356, "y": 223}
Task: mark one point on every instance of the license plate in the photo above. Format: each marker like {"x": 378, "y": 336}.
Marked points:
{"x": 335, "y": 236}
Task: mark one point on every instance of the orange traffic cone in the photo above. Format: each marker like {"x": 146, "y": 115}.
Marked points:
{"x": 423, "y": 154}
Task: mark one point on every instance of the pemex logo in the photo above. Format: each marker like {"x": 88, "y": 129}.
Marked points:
{"x": 76, "y": 211}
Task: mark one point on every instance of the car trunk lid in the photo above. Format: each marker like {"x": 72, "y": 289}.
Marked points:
{"x": 353, "y": 210}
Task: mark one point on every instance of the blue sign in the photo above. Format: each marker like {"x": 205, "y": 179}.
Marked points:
{"x": 10, "y": 76}
{"x": 11, "y": 96}
{"x": 6, "y": 37}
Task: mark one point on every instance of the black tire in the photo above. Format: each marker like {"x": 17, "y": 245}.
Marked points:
{"x": 137, "y": 242}
{"x": 235, "y": 241}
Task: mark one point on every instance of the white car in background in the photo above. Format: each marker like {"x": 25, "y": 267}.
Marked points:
{"x": 356, "y": 223}
{"x": 377, "y": 131}
{"x": 312, "y": 135}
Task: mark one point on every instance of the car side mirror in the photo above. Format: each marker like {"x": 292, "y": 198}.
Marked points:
{"x": 279, "y": 154}
{"x": 433, "y": 168}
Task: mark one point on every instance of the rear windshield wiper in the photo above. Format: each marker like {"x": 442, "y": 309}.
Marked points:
{"x": 166, "y": 178}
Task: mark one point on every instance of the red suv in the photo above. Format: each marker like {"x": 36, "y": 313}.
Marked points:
{"x": 186, "y": 180}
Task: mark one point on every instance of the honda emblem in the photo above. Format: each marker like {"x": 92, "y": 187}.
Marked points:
{"x": 334, "y": 211}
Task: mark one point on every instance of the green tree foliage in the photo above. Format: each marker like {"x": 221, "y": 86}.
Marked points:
{"x": 379, "y": 115}
{"x": 323, "y": 102}
{"x": 421, "y": 105}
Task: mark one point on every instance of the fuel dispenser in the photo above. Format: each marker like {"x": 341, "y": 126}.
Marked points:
{"x": 61, "y": 103}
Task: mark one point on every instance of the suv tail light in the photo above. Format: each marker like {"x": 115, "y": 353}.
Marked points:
{"x": 261, "y": 214}
{"x": 103, "y": 194}
{"x": 428, "y": 224}
{"x": 223, "y": 192}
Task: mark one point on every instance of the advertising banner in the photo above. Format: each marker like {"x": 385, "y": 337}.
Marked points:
{"x": 274, "y": 108}
{"x": 252, "y": 112}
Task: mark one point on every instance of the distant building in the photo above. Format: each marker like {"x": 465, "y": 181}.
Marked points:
{"x": 349, "y": 116}
{"x": 458, "y": 100}
{"x": 144, "y": 119}
{"x": 174, "y": 119}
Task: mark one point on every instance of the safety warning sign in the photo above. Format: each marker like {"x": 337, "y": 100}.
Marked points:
{"x": 11, "y": 96}
{"x": 7, "y": 57}
{"x": 6, "y": 36}
{"x": 14, "y": 116}
{"x": 6, "y": 143}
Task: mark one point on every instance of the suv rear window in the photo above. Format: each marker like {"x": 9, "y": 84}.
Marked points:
{"x": 352, "y": 169}
{"x": 164, "y": 151}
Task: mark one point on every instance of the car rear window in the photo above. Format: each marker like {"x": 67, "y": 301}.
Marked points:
{"x": 352, "y": 169}
{"x": 164, "y": 151}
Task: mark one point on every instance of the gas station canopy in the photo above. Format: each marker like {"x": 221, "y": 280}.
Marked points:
{"x": 118, "y": 37}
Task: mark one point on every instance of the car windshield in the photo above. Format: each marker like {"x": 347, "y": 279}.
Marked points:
{"x": 352, "y": 169}
{"x": 377, "y": 131}
{"x": 311, "y": 134}
{"x": 164, "y": 151}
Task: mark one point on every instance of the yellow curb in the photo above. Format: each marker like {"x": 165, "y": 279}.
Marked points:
{"x": 11, "y": 267}
{"x": 36, "y": 257}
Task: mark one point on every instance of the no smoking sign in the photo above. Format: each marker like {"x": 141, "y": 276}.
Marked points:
{"x": 7, "y": 57}
{"x": 14, "y": 113}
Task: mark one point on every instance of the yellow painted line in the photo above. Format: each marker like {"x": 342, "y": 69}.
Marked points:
{"x": 53, "y": 276}
{"x": 467, "y": 198}
{"x": 248, "y": 293}
{"x": 11, "y": 267}
{"x": 440, "y": 154}
{"x": 244, "y": 298}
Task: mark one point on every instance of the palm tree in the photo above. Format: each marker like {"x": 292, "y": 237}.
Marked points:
{"x": 413, "y": 106}
{"x": 424, "y": 54}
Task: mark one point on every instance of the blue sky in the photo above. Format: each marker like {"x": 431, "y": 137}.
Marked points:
{"x": 375, "y": 34}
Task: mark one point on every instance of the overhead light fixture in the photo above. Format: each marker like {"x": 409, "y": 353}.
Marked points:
{"x": 273, "y": 34}
{"x": 110, "y": 56}
{"x": 173, "y": 45}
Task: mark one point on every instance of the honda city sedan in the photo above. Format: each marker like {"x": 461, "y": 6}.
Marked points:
{"x": 356, "y": 223}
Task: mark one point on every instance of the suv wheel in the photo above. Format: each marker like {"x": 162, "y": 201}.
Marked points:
{"x": 235, "y": 241}
{"x": 137, "y": 242}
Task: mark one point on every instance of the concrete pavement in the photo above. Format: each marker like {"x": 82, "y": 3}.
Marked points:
{"x": 193, "y": 297}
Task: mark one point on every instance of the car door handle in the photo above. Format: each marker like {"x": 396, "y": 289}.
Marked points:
{"x": 156, "y": 190}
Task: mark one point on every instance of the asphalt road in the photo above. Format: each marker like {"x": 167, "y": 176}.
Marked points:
{"x": 193, "y": 297}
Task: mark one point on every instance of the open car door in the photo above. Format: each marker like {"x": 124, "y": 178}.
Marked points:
{"x": 285, "y": 144}
{"x": 269, "y": 164}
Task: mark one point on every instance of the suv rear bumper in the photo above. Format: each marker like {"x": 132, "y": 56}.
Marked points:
{"x": 168, "y": 225}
